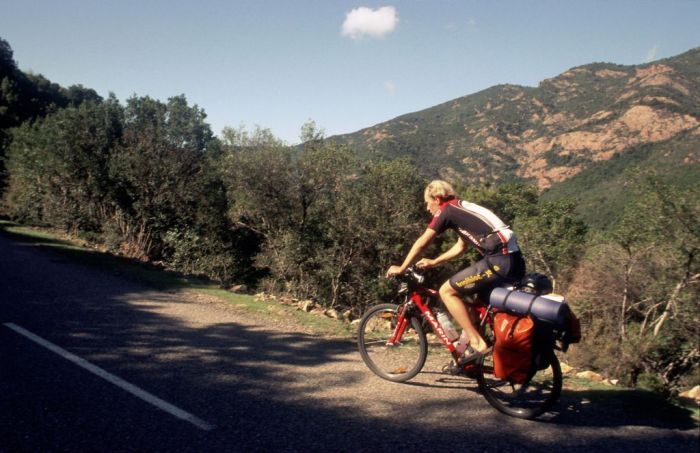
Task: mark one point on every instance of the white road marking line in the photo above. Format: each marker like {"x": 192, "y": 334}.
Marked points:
{"x": 116, "y": 380}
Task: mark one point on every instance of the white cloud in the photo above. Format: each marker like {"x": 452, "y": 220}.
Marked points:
{"x": 365, "y": 21}
{"x": 390, "y": 88}
{"x": 651, "y": 54}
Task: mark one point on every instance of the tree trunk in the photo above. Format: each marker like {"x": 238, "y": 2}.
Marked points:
{"x": 674, "y": 370}
{"x": 625, "y": 298}
{"x": 674, "y": 295}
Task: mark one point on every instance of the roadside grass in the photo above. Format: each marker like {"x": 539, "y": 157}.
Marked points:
{"x": 279, "y": 313}
{"x": 156, "y": 277}
{"x": 580, "y": 384}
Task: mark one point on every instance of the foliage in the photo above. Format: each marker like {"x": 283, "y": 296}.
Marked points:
{"x": 375, "y": 221}
{"x": 159, "y": 171}
{"x": 508, "y": 201}
{"x": 140, "y": 176}
{"x": 328, "y": 223}
{"x": 27, "y": 97}
{"x": 553, "y": 239}
{"x": 58, "y": 166}
{"x": 638, "y": 287}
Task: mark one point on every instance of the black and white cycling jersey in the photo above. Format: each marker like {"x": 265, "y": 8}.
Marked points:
{"x": 476, "y": 225}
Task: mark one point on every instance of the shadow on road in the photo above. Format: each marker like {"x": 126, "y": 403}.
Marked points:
{"x": 136, "y": 271}
{"x": 595, "y": 408}
{"x": 616, "y": 408}
{"x": 443, "y": 380}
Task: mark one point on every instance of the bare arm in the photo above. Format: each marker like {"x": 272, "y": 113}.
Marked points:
{"x": 418, "y": 246}
{"x": 452, "y": 253}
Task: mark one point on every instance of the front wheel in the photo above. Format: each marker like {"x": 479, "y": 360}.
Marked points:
{"x": 397, "y": 362}
{"x": 529, "y": 400}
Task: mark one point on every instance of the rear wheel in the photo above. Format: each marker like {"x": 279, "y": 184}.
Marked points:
{"x": 398, "y": 362}
{"x": 527, "y": 400}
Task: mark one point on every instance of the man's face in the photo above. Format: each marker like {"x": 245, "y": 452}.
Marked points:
{"x": 432, "y": 205}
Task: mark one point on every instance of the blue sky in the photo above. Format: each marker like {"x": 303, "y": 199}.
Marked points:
{"x": 277, "y": 64}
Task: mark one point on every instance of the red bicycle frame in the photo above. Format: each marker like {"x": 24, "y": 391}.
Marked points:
{"x": 421, "y": 298}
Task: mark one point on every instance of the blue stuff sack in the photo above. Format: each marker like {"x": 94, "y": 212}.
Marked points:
{"x": 550, "y": 309}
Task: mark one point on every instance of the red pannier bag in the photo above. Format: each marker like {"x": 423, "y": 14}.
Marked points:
{"x": 512, "y": 351}
{"x": 573, "y": 329}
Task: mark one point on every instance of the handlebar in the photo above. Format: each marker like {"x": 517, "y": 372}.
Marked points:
{"x": 411, "y": 275}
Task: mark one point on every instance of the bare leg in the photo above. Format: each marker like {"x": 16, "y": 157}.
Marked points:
{"x": 459, "y": 312}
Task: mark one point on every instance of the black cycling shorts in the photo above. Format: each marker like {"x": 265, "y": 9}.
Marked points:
{"x": 479, "y": 278}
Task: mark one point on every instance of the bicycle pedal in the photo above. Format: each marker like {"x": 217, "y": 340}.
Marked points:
{"x": 451, "y": 368}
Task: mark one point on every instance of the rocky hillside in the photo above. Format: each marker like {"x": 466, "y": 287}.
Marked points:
{"x": 551, "y": 133}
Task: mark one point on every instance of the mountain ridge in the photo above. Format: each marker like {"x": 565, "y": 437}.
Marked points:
{"x": 550, "y": 133}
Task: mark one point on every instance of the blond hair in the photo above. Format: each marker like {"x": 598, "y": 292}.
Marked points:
{"x": 439, "y": 189}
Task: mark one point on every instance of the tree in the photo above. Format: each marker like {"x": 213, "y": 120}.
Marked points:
{"x": 257, "y": 174}
{"x": 372, "y": 224}
{"x": 59, "y": 166}
{"x": 552, "y": 240}
{"x": 280, "y": 194}
{"x": 639, "y": 286}
{"x": 311, "y": 134}
{"x": 141, "y": 179}
{"x": 159, "y": 173}
{"x": 8, "y": 99}
{"x": 26, "y": 97}
{"x": 7, "y": 61}
{"x": 78, "y": 94}
{"x": 329, "y": 225}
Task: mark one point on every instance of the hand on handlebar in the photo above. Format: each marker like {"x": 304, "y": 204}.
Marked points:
{"x": 425, "y": 263}
{"x": 393, "y": 271}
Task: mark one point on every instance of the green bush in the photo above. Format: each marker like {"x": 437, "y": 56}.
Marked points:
{"x": 650, "y": 381}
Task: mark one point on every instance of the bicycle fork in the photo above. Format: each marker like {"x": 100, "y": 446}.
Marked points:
{"x": 401, "y": 323}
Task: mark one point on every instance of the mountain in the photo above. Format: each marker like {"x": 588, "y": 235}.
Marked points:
{"x": 576, "y": 128}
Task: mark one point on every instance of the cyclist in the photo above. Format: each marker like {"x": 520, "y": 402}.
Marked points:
{"x": 476, "y": 226}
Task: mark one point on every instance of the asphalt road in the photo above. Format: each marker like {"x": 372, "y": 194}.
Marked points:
{"x": 92, "y": 362}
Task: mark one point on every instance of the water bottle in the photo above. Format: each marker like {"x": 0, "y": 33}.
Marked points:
{"x": 447, "y": 326}
{"x": 463, "y": 342}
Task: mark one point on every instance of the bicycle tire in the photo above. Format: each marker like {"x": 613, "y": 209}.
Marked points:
{"x": 396, "y": 363}
{"x": 526, "y": 401}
